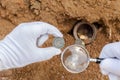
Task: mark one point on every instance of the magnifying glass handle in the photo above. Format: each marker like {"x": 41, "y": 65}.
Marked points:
{"x": 97, "y": 60}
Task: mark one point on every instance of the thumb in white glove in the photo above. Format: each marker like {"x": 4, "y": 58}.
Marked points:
{"x": 113, "y": 77}
{"x": 19, "y": 48}
{"x": 110, "y": 66}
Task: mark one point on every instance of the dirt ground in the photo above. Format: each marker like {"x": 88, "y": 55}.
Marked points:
{"x": 63, "y": 14}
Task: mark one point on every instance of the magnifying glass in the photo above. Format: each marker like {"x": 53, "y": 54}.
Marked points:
{"x": 75, "y": 58}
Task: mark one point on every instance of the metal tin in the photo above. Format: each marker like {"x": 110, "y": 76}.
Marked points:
{"x": 85, "y": 31}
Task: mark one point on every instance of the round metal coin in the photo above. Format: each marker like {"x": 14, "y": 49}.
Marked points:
{"x": 79, "y": 42}
{"x": 58, "y": 42}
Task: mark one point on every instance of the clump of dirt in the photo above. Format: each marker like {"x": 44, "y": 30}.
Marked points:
{"x": 63, "y": 14}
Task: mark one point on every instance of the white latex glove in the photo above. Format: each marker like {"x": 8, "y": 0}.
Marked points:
{"x": 19, "y": 48}
{"x": 111, "y": 65}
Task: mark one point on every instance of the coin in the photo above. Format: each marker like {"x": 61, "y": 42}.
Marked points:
{"x": 58, "y": 42}
{"x": 79, "y": 42}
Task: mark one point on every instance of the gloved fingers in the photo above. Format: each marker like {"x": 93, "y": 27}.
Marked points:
{"x": 47, "y": 53}
{"x": 50, "y": 29}
{"x": 111, "y": 50}
{"x": 51, "y": 51}
{"x": 107, "y": 51}
{"x": 54, "y": 31}
{"x": 42, "y": 39}
{"x": 110, "y": 65}
{"x": 37, "y": 28}
{"x": 103, "y": 71}
{"x": 42, "y": 28}
{"x": 42, "y": 54}
{"x": 113, "y": 77}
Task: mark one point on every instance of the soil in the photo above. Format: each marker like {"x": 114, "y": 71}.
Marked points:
{"x": 63, "y": 14}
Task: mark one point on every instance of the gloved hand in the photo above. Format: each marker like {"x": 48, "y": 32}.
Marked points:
{"x": 111, "y": 64}
{"x": 19, "y": 48}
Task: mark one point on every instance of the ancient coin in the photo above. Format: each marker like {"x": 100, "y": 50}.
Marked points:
{"x": 79, "y": 42}
{"x": 58, "y": 42}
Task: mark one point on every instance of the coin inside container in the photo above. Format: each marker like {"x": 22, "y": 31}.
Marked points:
{"x": 84, "y": 31}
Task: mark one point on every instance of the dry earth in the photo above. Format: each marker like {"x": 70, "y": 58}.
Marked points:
{"x": 63, "y": 14}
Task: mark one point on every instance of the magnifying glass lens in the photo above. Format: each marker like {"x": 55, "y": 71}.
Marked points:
{"x": 75, "y": 58}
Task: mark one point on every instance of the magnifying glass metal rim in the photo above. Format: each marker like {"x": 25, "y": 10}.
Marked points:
{"x": 62, "y": 54}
